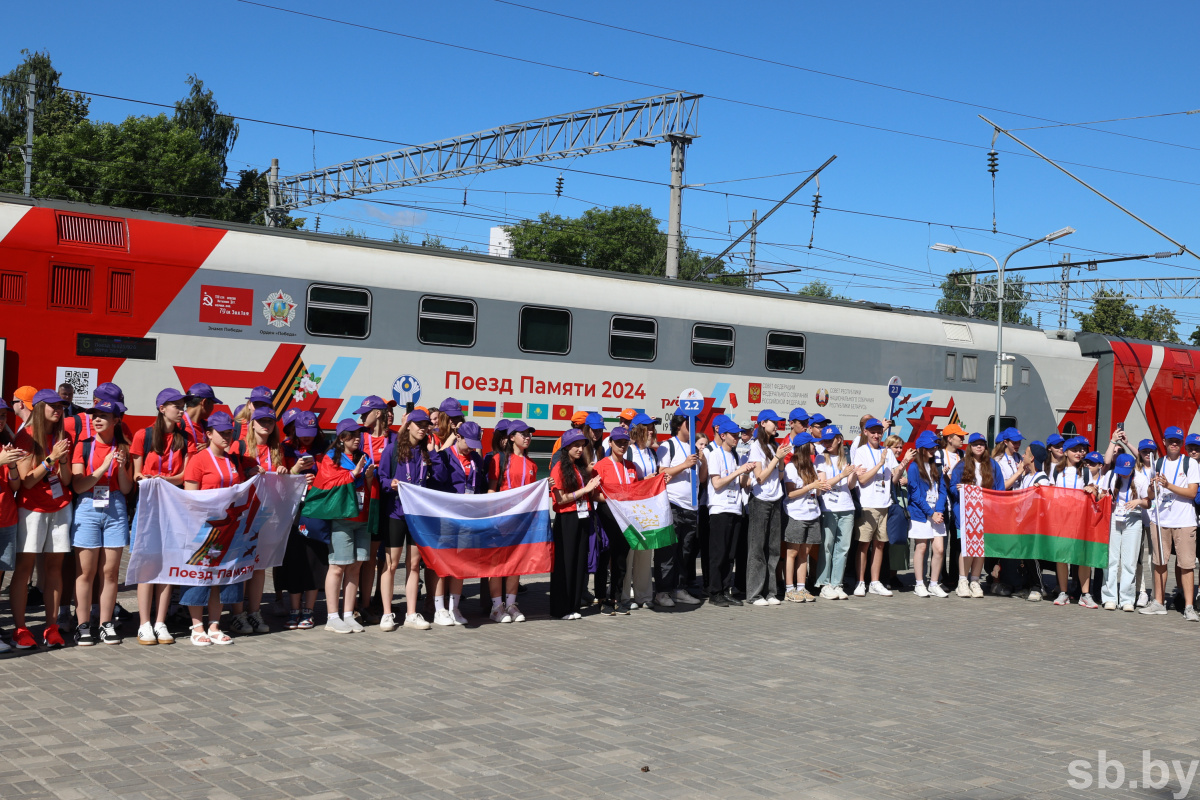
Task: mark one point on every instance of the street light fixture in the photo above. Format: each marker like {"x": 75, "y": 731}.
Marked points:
{"x": 949, "y": 248}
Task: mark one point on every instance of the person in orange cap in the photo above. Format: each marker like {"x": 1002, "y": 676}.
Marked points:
{"x": 22, "y": 407}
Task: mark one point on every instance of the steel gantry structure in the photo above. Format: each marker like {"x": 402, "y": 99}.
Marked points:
{"x": 672, "y": 118}
{"x": 1086, "y": 289}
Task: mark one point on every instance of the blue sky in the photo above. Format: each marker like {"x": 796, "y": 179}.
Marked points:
{"x": 1065, "y": 62}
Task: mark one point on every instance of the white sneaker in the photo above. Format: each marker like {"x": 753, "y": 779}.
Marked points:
{"x": 1063, "y": 599}
{"x": 458, "y": 618}
{"x": 936, "y": 590}
{"x": 663, "y": 599}
{"x": 417, "y": 622}
{"x": 685, "y": 597}
{"x": 879, "y": 589}
{"x": 499, "y": 614}
{"x": 759, "y": 601}
{"x": 517, "y": 616}
{"x": 841, "y": 593}
{"x": 162, "y": 634}
{"x": 577, "y": 615}
{"x": 387, "y": 622}
{"x": 860, "y": 590}
{"x": 146, "y": 634}
{"x": 1142, "y": 599}
{"x": 828, "y": 593}
{"x": 354, "y": 625}
{"x": 4, "y": 646}
{"x": 443, "y": 618}
{"x": 240, "y": 624}
{"x": 338, "y": 625}
{"x": 1127, "y": 607}
{"x": 1110, "y": 605}
{"x": 568, "y": 616}
{"x": 920, "y": 591}
{"x": 773, "y": 601}
{"x": 1034, "y": 596}
{"x": 976, "y": 589}
{"x": 964, "y": 587}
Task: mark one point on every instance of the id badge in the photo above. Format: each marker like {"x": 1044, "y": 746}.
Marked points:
{"x": 1120, "y": 513}
{"x": 581, "y": 508}
{"x": 99, "y": 497}
{"x": 56, "y": 489}
{"x": 931, "y": 497}
{"x": 470, "y": 488}
{"x": 361, "y": 494}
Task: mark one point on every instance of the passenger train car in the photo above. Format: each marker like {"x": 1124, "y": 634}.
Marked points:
{"x": 90, "y": 295}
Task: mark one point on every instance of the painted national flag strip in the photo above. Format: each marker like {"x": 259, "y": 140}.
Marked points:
{"x": 485, "y": 408}
{"x": 481, "y": 535}
{"x": 563, "y": 412}
{"x": 539, "y": 411}
{"x": 466, "y": 406}
{"x": 513, "y": 410}
{"x": 612, "y": 415}
{"x": 1043, "y": 522}
{"x": 643, "y": 512}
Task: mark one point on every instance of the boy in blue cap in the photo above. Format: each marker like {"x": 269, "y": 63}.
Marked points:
{"x": 1176, "y": 478}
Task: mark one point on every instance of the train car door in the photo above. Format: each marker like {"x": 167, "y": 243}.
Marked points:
{"x": 1076, "y": 422}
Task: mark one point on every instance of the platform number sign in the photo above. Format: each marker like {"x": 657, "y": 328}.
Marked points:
{"x": 691, "y": 403}
{"x": 894, "y": 389}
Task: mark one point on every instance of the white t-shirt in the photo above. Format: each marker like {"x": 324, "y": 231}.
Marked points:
{"x": 877, "y": 492}
{"x": 643, "y": 462}
{"x": 771, "y": 489}
{"x": 1175, "y": 511}
{"x": 838, "y": 498}
{"x": 1008, "y": 467}
{"x": 1071, "y": 478}
{"x": 721, "y": 464}
{"x": 1147, "y": 475}
{"x": 1036, "y": 479}
{"x": 679, "y": 488}
{"x": 805, "y": 506}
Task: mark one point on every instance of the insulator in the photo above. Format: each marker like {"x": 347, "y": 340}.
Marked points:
{"x": 993, "y": 163}
{"x": 816, "y": 204}
{"x": 559, "y": 186}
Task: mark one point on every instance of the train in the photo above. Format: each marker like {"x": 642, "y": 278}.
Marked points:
{"x": 148, "y": 300}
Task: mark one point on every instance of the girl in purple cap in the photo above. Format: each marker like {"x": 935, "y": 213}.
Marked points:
{"x": 573, "y": 507}
{"x": 513, "y": 469}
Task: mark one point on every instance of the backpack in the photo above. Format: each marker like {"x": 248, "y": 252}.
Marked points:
{"x": 1185, "y": 466}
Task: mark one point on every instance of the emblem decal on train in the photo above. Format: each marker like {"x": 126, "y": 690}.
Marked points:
{"x": 755, "y": 393}
{"x": 231, "y": 305}
{"x": 279, "y": 309}
{"x": 406, "y": 389}
{"x": 822, "y": 397}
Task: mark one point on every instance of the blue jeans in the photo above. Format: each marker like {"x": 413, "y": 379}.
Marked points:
{"x": 839, "y": 533}
{"x": 1124, "y": 546}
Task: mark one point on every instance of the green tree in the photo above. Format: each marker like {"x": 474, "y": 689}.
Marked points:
{"x": 819, "y": 288}
{"x": 1195, "y": 337}
{"x": 619, "y": 239}
{"x": 55, "y": 110}
{"x": 1114, "y": 315}
{"x": 955, "y": 299}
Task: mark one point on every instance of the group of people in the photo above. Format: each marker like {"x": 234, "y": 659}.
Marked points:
{"x": 775, "y": 511}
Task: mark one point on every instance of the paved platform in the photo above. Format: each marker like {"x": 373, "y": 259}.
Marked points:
{"x": 868, "y": 698}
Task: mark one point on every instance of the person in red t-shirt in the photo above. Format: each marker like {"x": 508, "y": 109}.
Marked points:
{"x": 573, "y": 506}
{"x": 159, "y": 451}
{"x": 101, "y": 478}
{"x": 10, "y": 480}
{"x": 613, "y": 470}
{"x": 199, "y": 404}
{"x": 512, "y": 469}
{"x": 213, "y": 468}
{"x": 43, "y": 514}
{"x": 374, "y": 415}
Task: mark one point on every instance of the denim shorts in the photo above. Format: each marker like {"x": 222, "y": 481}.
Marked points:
{"x": 100, "y": 527}
{"x": 8, "y": 548}
{"x": 198, "y": 595}
{"x": 349, "y": 541}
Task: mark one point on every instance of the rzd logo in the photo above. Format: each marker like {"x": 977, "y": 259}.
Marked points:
{"x": 755, "y": 393}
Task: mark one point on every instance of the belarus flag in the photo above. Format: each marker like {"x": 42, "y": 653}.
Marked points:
{"x": 481, "y": 535}
{"x": 1043, "y": 522}
{"x": 643, "y": 512}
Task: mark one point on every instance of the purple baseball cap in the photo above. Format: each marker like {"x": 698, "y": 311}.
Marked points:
{"x": 263, "y": 412}
{"x": 103, "y": 406}
{"x": 237, "y": 411}
{"x": 306, "y": 424}
{"x": 219, "y": 421}
{"x": 202, "y": 391}
{"x": 3, "y": 405}
{"x": 619, "y": 433}
{"x": 418, "y": 416}
{"x": 451, "y": 407}
{"x": 371, "y": 403}
{"x": 572, "y": 436}
{"x": 289, "y": 416}
{"x": 471, "y": 433}
{"x": 110, "y": 391}
{"x": 349, "y": 426}
{"x": 168, "y": 395}
{"x": 260, "y": 394}
{"x": 48, "y": 396}
{"x": 501, "y": 428}
{"x": 519, "y": 426}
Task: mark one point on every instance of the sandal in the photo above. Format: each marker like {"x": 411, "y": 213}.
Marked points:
{"x": 218, "y": 636}
{"x": 199, "y": 637}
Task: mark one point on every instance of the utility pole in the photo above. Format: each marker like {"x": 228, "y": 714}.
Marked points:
{"x": 1062, "y": 299}
{"x": 971, "y": 299}
{"x": 679, "y": 145}
{"x": 753, "y": 279}
{"x": 30, "y": 101}
{"x": 272, "y": 192}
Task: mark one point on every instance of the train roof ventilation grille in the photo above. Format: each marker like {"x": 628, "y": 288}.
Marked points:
{"x": 92, "y": 231}
{"x": 958, "y": 332}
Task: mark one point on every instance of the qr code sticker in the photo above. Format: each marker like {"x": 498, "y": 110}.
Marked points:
{"x": 81, "y": 380}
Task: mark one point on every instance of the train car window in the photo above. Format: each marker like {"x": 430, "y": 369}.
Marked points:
{"x": 785, "y": 352}
{"x": 120, "y": 291}
{"x": 1005, "y": 422}
{"x": 951, "y": 365}
{"x": 1069, "y": 430}
{"x": 633, "y": 338}
{"x": 70, "y": 287}
{"x": 341, "y": 311}
{"x": 12, "y": 287}
{"x": 545, "y": 330}
{"x": 712, "y": 346}
{"x": 1024, "y": 376}
{"x": 541, "y": 453}
{"x": 447, "y": 321}
{"x": 970, "y": 368}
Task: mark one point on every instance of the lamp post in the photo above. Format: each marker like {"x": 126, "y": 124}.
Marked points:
{"x": 950, "y": 248}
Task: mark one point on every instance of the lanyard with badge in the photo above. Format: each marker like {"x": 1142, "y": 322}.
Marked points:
{"x": 581, "y": 505}
{"x": 56, "y": 489}
{"x": 524, "y": 472}
{"x": 220, "y": 472}
{"x": 100, "y": 493}
{"x": 1120, "y": 513}
{"x": 468, "y": 470}
{"x": 361, "y": 493}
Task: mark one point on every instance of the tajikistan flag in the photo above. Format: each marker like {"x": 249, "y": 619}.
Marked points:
{"x": 643, "y": 512}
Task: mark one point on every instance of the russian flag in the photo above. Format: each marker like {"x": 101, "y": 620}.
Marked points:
{"x": 481, "y": 535}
